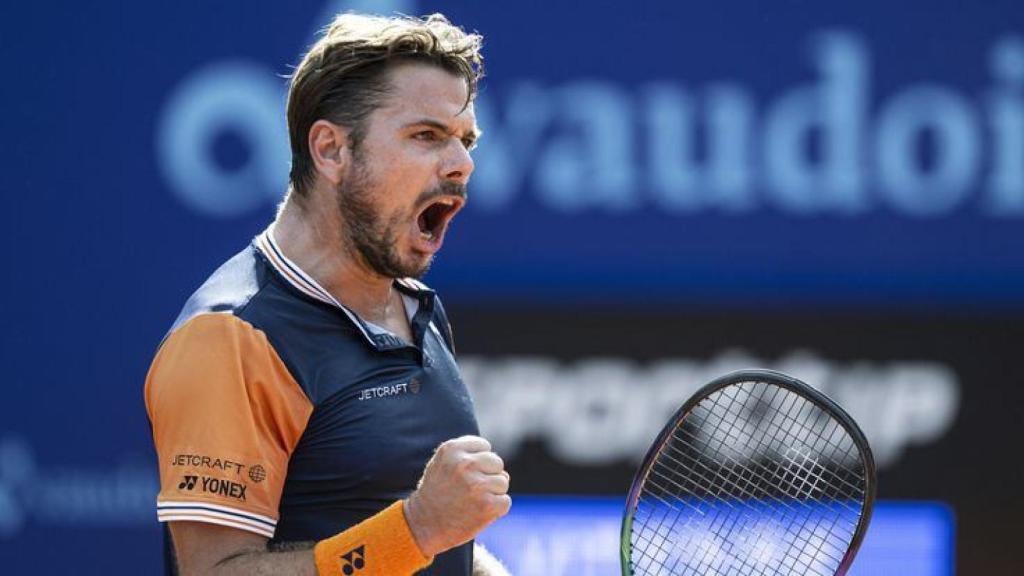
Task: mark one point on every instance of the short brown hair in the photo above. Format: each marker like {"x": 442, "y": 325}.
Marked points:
{"x": 343, "y": 76}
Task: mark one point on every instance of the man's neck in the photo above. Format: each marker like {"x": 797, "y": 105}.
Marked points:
{"x": 311, "y": 237}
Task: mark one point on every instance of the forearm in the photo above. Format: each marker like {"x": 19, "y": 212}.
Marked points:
{"x": 208, "y": 549}
{"x": 463, "y": 489}
{"x": 264, "y": 563}
{"x": 382, "y": 545}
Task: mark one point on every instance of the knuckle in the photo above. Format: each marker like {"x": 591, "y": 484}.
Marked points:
{"x": 501, "y": 505}
{"x": 463, "y": 462}
{"x": 478, "y": 486}
{"x": 475, "y": 443}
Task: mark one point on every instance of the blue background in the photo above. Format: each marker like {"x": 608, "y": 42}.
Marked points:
{"x": 579, "y": 536}
{"x": 102, "y": 242}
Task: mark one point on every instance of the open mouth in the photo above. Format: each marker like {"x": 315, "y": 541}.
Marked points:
{"x": 435, "y": 217}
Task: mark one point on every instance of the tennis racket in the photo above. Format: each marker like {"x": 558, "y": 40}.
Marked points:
{"x": 756, "y": 474}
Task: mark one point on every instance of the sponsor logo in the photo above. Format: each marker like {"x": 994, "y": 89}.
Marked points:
{"x": 602, "y": 411}
{"x": 353, "y": 561}
{"x": 757, "y": 157}
{"x": 216, "y": 486}
{"x": 257, "y": 473}
{"x": 224, "y": 488}
{"x": 200, "y": 461}
{"x": 388, "y": 390}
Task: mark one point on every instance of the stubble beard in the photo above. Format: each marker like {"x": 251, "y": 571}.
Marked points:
{"x": 366, "y": 235}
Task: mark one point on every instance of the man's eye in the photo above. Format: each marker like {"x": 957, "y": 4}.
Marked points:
{"x": 426, "y": 135}
{"x": 469, "y": 143}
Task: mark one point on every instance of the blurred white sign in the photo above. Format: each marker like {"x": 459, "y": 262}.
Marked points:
{"x": 605, "y": 410}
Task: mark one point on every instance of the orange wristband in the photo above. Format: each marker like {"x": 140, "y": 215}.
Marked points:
{"x": 381, "y": 545}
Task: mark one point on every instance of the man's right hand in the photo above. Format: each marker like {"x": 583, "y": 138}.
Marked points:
{"x": 464, "y": 488}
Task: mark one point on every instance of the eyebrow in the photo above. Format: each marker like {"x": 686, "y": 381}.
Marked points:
{"x": 473, "y": 134}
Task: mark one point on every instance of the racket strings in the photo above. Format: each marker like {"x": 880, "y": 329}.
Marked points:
{"x": 751, "y": 483}
{"x": 798, "y": 433}
{"x": 818, "y": 469}
{"x": 747, "y": 491}
{"x": 789, "y": 482}
{"x": 707, "y": 548}
{"x": 746, "y": 486}
{"x": 720, "y": 481}
{"x": 793, "y": 520}
{"x": 724, "y": 472}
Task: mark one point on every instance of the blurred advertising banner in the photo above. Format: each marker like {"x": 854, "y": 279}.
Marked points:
{"x": 572, "y": 400}
{"x": 551, "y": 536}
{"x": 664, "y": 191}
{"x": 700, "y": 154}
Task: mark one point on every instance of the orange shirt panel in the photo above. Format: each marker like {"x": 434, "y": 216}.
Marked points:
{"x": 226, "y": 416}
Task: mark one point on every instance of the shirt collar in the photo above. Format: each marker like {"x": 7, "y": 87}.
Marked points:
{"x": 415, "y": 293}
{"x": 290, "y": 271}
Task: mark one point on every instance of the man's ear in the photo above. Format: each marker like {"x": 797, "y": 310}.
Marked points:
{"x": 329, "y": 149}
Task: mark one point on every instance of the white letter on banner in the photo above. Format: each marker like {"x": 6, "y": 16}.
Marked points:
{"x": 909, "y": 187}
{"x": 509, "y": 146}
{"x": 587, "y": 425}
{"x": 730, "y": 147}
{"x": 589, "y": 162}
{"x": 677, "y": 182}
{"x": 1006, "y": 183}
{"x": 836, "y": 109}
{"x": 675, "y": 179}
{"x": 226, "y": 97}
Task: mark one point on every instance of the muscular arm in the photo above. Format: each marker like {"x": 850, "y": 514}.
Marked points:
{"x": 212, "y": 549}
{"x": 464, "y": 488}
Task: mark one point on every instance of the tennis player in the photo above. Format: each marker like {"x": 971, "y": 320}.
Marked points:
{"x": 307, "y": 410}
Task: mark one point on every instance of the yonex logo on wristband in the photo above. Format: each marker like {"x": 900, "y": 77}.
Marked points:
{"x": 353, "y": 561}
{"x": 188, "y": 483}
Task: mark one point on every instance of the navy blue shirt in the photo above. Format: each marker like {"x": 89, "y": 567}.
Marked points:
{"x": 320, "y": 419}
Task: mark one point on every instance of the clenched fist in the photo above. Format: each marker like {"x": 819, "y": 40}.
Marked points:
{"x": 464, "y": 488}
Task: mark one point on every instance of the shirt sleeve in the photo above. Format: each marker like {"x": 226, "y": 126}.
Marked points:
{"x": 226, "y": 415}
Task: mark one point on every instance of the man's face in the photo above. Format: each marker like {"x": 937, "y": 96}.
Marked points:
{"x": 408, "y": 176}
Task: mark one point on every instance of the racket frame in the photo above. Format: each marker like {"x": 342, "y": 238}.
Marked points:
{"x": 776, "y": 378}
